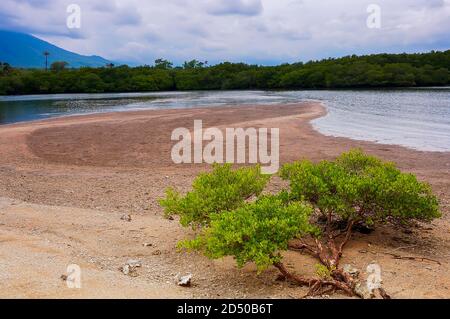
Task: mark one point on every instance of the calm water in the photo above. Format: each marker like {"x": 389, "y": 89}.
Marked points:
{"x": 416, "y": 118}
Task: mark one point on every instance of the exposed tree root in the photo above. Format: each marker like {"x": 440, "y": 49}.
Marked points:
{"x": 316, "y": 286}
{"x": 329, "y": 252}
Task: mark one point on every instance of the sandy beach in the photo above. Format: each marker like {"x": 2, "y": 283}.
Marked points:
{"x": 66, "y": 182}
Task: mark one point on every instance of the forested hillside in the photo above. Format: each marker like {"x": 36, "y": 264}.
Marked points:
{"x": 381, "y": 70}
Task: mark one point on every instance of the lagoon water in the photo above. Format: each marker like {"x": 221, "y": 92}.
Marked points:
{"x": 418, "y": 118}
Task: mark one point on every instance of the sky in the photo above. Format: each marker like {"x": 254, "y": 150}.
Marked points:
{"x": 265, "y": 32}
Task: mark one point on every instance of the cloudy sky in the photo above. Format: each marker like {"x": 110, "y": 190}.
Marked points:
{"x": 252, "y": 31}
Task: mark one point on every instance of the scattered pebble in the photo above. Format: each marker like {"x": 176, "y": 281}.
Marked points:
{"x": 362, "y": 291}
{"x": 126, "y": 218}
{"x": 354, "y": 272}
{"x": 184, "y": 281}
{"x": 130, "y": 267}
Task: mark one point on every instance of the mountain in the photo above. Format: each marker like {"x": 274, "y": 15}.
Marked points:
{"x": 26, "y": 51}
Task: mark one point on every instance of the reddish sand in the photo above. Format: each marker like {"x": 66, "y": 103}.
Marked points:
{"x": 65, "y": 183}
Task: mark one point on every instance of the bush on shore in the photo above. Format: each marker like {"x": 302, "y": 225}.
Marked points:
{"x": 317, "y": 214}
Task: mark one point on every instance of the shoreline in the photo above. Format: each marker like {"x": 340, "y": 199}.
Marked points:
{"x": 144, "y": 111}
{"x": 66, "y": 182}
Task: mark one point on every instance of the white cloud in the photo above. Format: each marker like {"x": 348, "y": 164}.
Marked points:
{"x": 255, "y": 31}
{"x": 234, "y": 7}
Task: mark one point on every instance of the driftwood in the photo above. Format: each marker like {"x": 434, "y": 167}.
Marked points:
{"x": 397, "y": 256}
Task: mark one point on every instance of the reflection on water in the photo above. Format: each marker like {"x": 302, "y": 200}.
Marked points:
{"x": 417, "y": 118}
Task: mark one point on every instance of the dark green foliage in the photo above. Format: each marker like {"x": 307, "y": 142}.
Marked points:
{"x": 257, "y": 232}
{"x": 361, "y": 188}
{"x": 381, "y": 70}
{"x": 5, "y": 68}
{"x": 58, "y": 66}
{"x": 163, "y": 64}
{"x": 221, "y": 190}
{"x": 194, "y": 64}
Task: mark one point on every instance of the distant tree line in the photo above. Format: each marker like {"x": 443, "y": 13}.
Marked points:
{"x": 371, "y": 71}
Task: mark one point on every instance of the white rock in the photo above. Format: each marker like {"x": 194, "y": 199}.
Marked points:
{"x": 352, "y": 271}
{"x": 126, "y": 218}
{"x": 129, "y": 268}
{"x": 134, "y": 263}
{"x": 126, "y": 269}
{"x": 184, "y": 281}
{"x": 363, "y": 292}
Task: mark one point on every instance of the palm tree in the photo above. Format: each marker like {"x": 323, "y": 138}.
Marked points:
{"x": 46, "y": 54}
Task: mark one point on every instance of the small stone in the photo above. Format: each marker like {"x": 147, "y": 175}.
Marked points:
{"x": 126, "y": 218}
{"x": 184, "y": 281}
{"x": 349, "y": 269}
{"x": 156, "y": 253}
{"x": 134, "y": 263}
{"x": 362, "y": 291}
{"x": 130, "y": 267}
{"x": 125, "y": 269}
{"x": 147, "y": 244}
{"x": 63, "y": 277}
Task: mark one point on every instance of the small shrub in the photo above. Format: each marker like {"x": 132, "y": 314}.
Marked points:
{"x": 361, "y": 189}
{"x": 316, "y": 214}
{"x": 257, "y": 232}
{"x": 323, "y": 272}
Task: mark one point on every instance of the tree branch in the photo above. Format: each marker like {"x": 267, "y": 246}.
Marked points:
{"x": 303, "y": 246}
{"x": 348, "y": 234}
{"x": 288, "y": 275}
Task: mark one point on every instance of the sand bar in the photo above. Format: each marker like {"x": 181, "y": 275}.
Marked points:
{"x": 65, "y": 183}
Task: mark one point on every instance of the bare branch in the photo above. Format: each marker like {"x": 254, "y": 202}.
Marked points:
{"x": 303, "y": 246}
{"x": 316, "y": 286}
{"x": 347, "y": 236}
